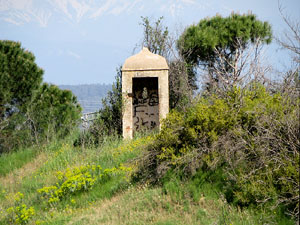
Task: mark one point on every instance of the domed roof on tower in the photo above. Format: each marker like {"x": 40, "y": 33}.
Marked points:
{"x": 145, "y": 60}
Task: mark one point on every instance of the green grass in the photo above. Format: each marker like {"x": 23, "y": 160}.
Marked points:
{"x": 15, "y": 160}
{"x": 115, "y": 200}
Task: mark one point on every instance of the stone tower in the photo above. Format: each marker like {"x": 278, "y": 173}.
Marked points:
{"x": 145, "y": 89}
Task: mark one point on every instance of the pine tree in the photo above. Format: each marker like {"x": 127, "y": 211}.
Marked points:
{"x": 218, "y": 38}
{"x": 19, "y": 76}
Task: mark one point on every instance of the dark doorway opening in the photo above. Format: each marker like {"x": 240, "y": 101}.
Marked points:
{"x": 145, "y": 103}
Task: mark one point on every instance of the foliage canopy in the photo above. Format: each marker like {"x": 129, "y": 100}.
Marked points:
{"x": 226, "y": 35}
{"x": 155, "y": 36}
{"x": 19, "y": 76}
{"x": 30, "y": 112}
{"x": 53, "y": 112}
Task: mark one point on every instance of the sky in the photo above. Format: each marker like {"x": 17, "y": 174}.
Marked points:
{"x": 84, "y": 41}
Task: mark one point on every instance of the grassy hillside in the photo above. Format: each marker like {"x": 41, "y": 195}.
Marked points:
{"x": 61, "y": 184}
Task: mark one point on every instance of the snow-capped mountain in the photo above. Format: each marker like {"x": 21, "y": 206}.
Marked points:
{"x": 21, "y": 12}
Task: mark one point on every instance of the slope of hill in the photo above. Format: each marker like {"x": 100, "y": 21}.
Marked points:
{"x": 60, "y": 184}
{"x": 89, "y": 96}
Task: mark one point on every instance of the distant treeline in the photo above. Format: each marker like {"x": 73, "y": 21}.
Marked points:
{"x": 89, "y": 95}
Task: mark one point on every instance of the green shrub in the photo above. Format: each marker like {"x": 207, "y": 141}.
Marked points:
{"x": 109, "y": 117}
{"x": 70, "y": 182}
{"x": 53, "y": 113}
{"x": 76, "y": 180}
{"x": 250, "y": 136}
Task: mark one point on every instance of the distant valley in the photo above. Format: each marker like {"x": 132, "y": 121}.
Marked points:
{"x": 89, "y": 95}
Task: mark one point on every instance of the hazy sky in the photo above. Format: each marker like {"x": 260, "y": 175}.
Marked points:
{"x": 83, "y": 41}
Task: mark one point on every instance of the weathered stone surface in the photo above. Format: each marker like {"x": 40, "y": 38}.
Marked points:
{"x": 145, "y": 90}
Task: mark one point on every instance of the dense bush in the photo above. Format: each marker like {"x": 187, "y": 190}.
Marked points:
{"x": 250, "y": 135}
{"x": 52, "y": 113}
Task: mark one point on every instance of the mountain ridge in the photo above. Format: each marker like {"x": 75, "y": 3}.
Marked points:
{"x": 89, "y": 96}
{"x": 23, "y": 11}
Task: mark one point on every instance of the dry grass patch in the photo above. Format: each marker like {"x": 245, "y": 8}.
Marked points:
{"x": 149, "y": 206}
{"x": 12, "y": 180}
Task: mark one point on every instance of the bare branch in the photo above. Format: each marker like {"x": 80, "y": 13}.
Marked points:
{"x": 291, "y": 38}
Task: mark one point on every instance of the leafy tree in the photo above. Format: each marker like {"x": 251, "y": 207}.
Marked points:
{"x": 215, "y": 43}
{"x": 109, "y": 119}
{"x": 158, "y": 40}
{"x": 52, "y": 113}
{"x": 111, "y": 112}
{"x": 155, "y": 36}
{"x": 30, "y": 112}
{"x": 19, "y": 76}
{"x": 180, "y": 88}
